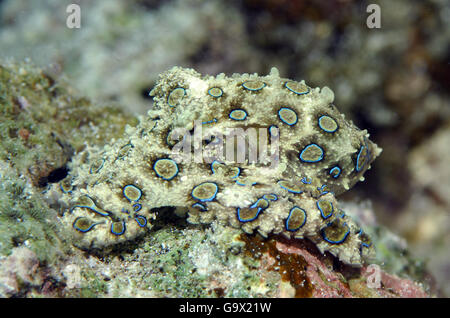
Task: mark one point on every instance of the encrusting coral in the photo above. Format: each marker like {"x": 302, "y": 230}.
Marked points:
{"x": 175, "y": 157}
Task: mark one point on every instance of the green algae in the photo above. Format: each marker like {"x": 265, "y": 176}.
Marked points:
{"x": 173, "y": 271}
{"x": 26, "y": 219}
{"x": 93, "y": 288}
{"x": 42, "y": 123}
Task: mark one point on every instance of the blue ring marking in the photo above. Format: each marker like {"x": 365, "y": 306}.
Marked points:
{"x": 214, "y": 120}
{"x": 99, "y": 168}
{"x": 304, "y": 181}
{"x": 118, "y": 233}
{"x": 83, "y": 231}
{"x": 167, "y": 138}
{"x": 200, "y": 206}
{"x": 289, "y": 190}
{"x": 243, "y": 184}
{"x": 287, "y": 220}
{"x": 265, "y": 196}
{"x": 271, "y": 128}
{"x": 238, "y": 210}
{"x": 207, "y": 199}
{"x": 237, "y": 174}
{"x": 162, "y": 177}
{"x": 361, "y": 246}
{"x": 137, "y": 207}
{"x": 212, "y": 165}
{"x": 92, "y": 208}
{"x": 254, "y": 205}
{"x": 253, "y": 89}
{"x": 358, "y": 168}
{"x": 332, "y": 172}
{"x": 321, "y": 211}
{"x": 125, "y": 211}
{"x": 284, "y": 121}
{"x": 324, "y": 129}
{"x": 366, "y": 245}
{"x": 124, "y": 151}
{"x": 293, "y": 91}
{"x": 233, "y": 177}
{"x": 215, "y": 96}
{"x": 133, "y": 186}
{"x": 307, "y": 147}
{"x": 238, "y": 110}
{"x": 141, "y": 220}
{"x": 216, "y": 141}
{"x": 173, "y": 140}
{"x": 325, "y": 192}
{"x": 335, "y": 242}
{"x": 322, "y": 191}
{"x": 168, "y": 97}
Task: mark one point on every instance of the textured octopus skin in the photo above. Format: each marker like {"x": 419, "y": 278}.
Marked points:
{"x": 112, "y": 193}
